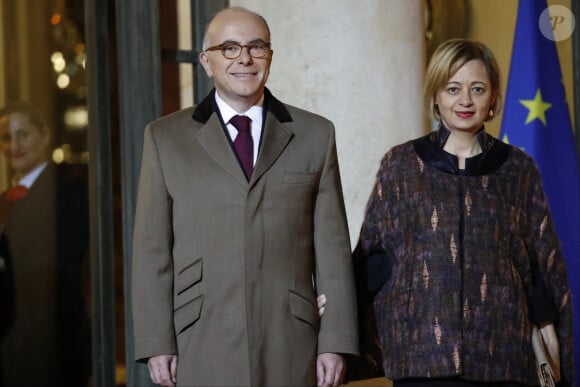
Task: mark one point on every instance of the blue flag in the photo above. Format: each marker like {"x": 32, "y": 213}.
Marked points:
{"x": 537, "y": 119}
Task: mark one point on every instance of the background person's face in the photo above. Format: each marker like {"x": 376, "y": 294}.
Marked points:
{"x": 23, "y": 145}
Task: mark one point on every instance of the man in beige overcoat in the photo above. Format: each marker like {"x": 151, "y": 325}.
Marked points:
{"x": 228, "y": 261}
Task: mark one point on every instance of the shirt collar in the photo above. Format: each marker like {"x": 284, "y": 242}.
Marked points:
{"x": 208, "y": 106}
{"x": 31, "y": 177}
{"x": 227, "y": 112}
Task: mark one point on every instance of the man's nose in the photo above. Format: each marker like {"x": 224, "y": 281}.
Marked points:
{"x": 245, "y": 56}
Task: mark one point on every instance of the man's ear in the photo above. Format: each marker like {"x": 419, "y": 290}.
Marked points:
{"x": 204, "y": 60}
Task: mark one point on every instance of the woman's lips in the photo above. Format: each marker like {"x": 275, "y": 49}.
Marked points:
{"x": 464, "y": 114}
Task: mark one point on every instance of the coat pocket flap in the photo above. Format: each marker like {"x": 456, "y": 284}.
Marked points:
{"x": 300, "y": 177}
{"x": 189, "y": 276}
{"x": 187, "y": 314}
{"x": 303, "y": 309}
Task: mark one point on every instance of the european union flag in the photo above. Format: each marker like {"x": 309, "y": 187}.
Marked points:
{"x": 537, "y": 119}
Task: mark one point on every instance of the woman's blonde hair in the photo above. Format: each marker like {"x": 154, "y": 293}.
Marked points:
{"x": 448, "y": 59}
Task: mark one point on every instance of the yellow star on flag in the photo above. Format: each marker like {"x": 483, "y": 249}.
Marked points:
{"x": 537, "y": 108}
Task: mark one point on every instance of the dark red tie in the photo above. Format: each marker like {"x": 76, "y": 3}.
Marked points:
{"x": 243, "y": 143}
{"x": 8, "y": 199}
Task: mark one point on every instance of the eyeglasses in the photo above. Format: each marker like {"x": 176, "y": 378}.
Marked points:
{"x": 234, "y": 50}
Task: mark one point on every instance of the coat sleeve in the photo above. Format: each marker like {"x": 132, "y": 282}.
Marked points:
{"x": 152, "y": 264}
{"x": 334, "y": 271}
{"x": 372, "y": 267}
{"x": 545, "y": 252}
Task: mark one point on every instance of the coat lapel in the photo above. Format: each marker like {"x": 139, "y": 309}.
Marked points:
{"x": 212, "y": 138}
{"x": 275, "y": 138}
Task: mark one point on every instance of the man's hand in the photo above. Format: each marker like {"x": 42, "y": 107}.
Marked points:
{"x": 163, "y": 370}
{"x": 330, "y": 369}
{"x": 321, "y": 302}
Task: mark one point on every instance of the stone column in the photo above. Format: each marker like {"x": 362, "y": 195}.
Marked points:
{"x": 360, "y": 64}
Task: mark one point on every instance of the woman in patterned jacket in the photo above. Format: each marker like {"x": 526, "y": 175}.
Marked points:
{"x": 457, "y": 246}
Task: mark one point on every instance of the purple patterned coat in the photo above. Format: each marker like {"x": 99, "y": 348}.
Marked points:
{"x": 462, "y": 244}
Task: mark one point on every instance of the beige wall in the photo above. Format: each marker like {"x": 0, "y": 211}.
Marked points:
{"x": 359, "y": 63}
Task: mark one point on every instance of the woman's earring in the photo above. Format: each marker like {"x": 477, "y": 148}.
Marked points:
{"x": 490, "y": 114}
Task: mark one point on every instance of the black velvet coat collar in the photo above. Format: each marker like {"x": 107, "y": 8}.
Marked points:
{"x": 430, "y": 150}
{"x": 208, "y": 106}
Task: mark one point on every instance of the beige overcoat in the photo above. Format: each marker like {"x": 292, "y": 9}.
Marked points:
{"x": 226, "y": 271}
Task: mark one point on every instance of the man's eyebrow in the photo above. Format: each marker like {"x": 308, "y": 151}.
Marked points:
{"x": 257, "y": 40}
{"x": 230, "y": 41}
